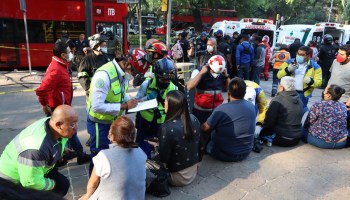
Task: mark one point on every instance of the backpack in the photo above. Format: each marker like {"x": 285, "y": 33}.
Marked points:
{"x": 176, "y": 51}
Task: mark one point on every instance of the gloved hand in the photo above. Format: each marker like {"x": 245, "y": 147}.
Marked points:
{"x": 149, "y": 75}
{"x": 308, "y": 80}
{"x": 152, "y": 95}
{"x": 257, "y": 131}
{"x": 292, "y": 67}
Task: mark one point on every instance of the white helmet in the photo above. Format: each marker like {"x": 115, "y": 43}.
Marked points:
{"x": 217, "y": 63}
{"x": 95, "y": 40}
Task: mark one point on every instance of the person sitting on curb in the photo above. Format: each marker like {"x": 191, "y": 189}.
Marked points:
{"x": 326, "y": 124}
{"x": 232, "y": 125}
{"x": 284, "y": 115}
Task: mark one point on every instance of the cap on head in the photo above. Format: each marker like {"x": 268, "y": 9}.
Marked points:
{"x": 227, "y": 37}
{"x": 235, "y": 33}
{"x": 219, "y": 32}
{"x": 203, "y": 34}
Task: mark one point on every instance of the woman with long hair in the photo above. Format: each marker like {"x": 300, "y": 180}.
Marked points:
{"x": 179, "y": 140}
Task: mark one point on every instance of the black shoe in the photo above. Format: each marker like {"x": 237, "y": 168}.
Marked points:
{"x": 61, "y": 163}
{"x": 84, "y": 158}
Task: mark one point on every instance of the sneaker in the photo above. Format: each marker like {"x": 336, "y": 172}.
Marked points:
{"x": 84, "y": 158}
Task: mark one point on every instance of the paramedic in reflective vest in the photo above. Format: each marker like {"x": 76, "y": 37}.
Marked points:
{"x": 107, "y": 101}
{"x": 306, "y": 72}
{"x": 209, "y": 82}
{"x": 278, "y": 58}
{"x": 149, "y": 121}
{"x": 29, "y": 159}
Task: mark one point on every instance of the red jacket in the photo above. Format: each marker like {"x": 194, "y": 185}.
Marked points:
{"x": 56, "y": 87}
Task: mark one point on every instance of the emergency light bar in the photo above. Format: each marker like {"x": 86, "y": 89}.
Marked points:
{"x": 258, "y": 20}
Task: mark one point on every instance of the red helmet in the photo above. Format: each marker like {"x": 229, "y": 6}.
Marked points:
{"x": 149, "y": 42}
{"x": 158, "y": 47}
{"x": 139, "y": 60}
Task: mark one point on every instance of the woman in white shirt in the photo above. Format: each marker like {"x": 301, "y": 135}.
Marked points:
{"x": 119, "y": 172}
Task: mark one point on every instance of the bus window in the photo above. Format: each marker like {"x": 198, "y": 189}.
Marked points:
{"x": 7, "y": 42}
{"x": 114, "y": 34}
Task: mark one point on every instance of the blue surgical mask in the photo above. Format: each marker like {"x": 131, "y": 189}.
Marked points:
{"x": 300, "y": 59}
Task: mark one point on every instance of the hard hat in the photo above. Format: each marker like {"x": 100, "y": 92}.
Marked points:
{"x": 138, "y": 58}
{"x": 217, "y": 63}
{"x": 164, "y": 68}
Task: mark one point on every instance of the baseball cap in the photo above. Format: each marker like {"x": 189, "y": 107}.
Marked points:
{"x": 203, "y": 34}
{"x": 227, "y": 37}
{"x": 219, "y": 32}
{"x": 235, "y": 33}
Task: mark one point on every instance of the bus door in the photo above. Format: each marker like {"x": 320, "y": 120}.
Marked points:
{"x": 8, "y": 50}
{"x": 113, "y": 32}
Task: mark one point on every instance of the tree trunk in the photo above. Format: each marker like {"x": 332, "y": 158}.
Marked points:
{"x": 197, "y": 19}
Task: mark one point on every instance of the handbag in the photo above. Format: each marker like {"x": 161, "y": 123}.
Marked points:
{"x": 159, "y": 185}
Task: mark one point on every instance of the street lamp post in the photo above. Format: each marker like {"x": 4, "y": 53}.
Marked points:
{"x": 330, "y": 11}
{"x": 168, "y": 28}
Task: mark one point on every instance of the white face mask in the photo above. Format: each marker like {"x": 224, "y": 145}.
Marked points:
{"x": 70, "y": 57}
{"x": 210, "y": 48}
{"x": 215, "y": 75}
{"x": 104, "y": 49}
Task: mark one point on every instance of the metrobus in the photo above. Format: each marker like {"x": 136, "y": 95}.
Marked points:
{"x": 47, "y": 19}
{"x": 288, "y": 33}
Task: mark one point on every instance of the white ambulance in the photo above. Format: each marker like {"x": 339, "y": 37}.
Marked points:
{"x": 227, "y": 27}
{"x": 288, "y": 33}
{"x": 339, "y": 32}
{"x": 260, "y": 26}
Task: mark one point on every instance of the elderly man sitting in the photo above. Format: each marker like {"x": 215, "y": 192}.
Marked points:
{"x": 284, "y": 115}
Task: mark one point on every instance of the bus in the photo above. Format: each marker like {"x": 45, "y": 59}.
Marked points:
{"x": 208, "y": 16}
{"x": 47, "y": 20}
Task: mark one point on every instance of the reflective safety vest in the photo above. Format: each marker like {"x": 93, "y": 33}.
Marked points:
{"x": 115, "y": 94}
{"x": 30, "y": 172}
{"x": 281, "y": 57}
{"x": 148, "y": 115}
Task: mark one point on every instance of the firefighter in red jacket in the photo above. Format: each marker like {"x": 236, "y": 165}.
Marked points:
{"x": 56, "y": 89}
{"x": 209, "y": 82}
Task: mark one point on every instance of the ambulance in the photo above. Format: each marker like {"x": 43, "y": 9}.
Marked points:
{"x": 227, "y": 27}
{"x": 260, "y": 26}
{"x": 247, "y": 26}
{"x": 339, "y": 32}
{"x": 288, "y": 33}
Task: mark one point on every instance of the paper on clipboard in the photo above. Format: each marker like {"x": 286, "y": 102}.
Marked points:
{"x": 145, "y": 105}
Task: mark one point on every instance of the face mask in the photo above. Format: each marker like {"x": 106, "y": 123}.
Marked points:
{"x": 340, "y": 59}
{"x": 215, "y": 75}
{"x": 300, "y": 59}
{"x": 210, "y": 48}
{"x": 69, "y": 57}
{"x": 104, "y": 49}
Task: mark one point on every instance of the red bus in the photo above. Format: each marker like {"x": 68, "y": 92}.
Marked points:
{"x": 47, "y": 19}
{"x": 185, "y": 15}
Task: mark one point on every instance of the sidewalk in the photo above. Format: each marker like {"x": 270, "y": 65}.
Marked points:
{"x": 302, "y": 172}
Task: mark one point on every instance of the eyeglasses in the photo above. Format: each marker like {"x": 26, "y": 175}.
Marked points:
{"x": 74, "y": 125}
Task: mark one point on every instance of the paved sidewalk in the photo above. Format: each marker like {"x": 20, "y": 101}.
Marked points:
{"x": 302, "y": 172}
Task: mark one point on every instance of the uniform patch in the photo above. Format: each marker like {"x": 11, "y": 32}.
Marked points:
{"x": 99, "y": 83}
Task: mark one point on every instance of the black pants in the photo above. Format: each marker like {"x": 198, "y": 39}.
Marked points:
{"x": 280, "y": 141}
{"x": 62, "y": 182}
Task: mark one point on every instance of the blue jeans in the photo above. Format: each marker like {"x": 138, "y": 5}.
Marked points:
{"x": 323, "y": 144}
{"x": 255, "y": 74}
{"x": 244, "y": 71}
{"x": 305, "y": 100}
{"x": 219, "y": 155}
{"x": 275, "y": 82}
